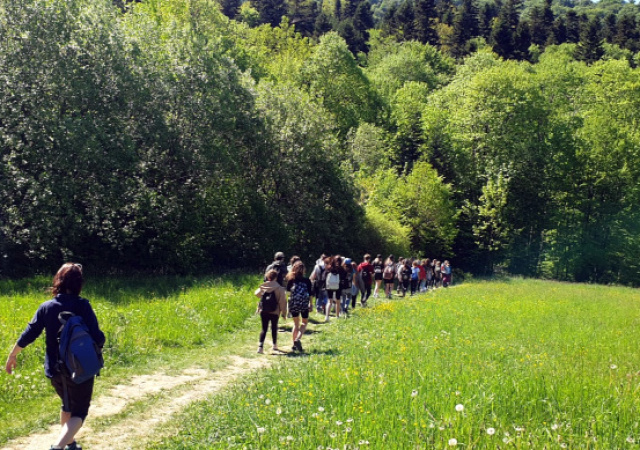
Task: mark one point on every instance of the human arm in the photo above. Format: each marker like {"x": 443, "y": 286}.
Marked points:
{"x": 12, "y": 360}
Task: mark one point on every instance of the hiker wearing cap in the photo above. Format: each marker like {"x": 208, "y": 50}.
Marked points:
{"x": 76, "y": 397}
{"x": 279, "y": 266}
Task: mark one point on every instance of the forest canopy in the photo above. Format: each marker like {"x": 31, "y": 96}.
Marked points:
{"x": 177, "y": 135}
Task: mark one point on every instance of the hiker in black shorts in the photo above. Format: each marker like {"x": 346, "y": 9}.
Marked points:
{"x": 76, "y": 398}
{"x": 299, "y": 288}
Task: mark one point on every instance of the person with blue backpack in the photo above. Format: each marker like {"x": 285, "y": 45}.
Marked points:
{"x": 65, "y": 319}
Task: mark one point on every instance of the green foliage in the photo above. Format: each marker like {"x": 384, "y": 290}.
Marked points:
{"x": 332, "y": 75}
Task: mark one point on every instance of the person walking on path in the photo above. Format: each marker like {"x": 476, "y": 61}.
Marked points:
{"x": 319, "y": 291}
{"x": 272, "y": 305}
{"x": 445, "y": 270}
{"x": 76, "y": 398}
{"x": 334, "y": 276}
{"x": 378, "y": 268}
{"x": 348, "y": 284}
{"x": 365, "y": 269}
{"x": 299, "y": 302}
{"x": 388, "y": 275}
{"x": 279, "y": 266}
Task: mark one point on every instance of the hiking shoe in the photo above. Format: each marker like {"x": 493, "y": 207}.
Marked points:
{"x": 73, "y": 446}
{"x": 260, "y": 350}
{"x": 275, "y": 348}
{"x": 298, "y": 346}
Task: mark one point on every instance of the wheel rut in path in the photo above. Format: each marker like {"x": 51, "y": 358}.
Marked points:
{"x": 132, "y": 432}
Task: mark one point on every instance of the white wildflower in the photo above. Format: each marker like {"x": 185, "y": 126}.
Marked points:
{"x": 491, "y": 431}
{"x": 459, "y": 407}
{"x": 453, "y": 442}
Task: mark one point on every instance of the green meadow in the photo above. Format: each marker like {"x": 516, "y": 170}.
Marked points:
{"x": 500, "y": 364}
{"x": 147, "y": 321}
{"x": 486, "y": 364}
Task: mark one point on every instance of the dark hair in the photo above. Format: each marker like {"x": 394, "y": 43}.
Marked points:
{"x": 68, "y": 280}
{"x": 272, "y": 275}
{"x": 297, "y": 271}
{"x": 367, "y": 257}
{"x": 294, "y": 259}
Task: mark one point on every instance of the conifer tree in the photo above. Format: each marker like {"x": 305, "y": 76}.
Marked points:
{"x": 590, "y": 48}
{"x": 559, "y": 32}
{"x": 488, "y": 12}
{"x": 503, "y": 32}
{"x": 405, "y": 20}
{"x": 362, "y": 23}
{"x": 465, "y": 27}
{"x": 322, "y": 24}
{"x": 627, "y": 33}
{"x": 573, "y": 26}
{"x": 609, "y": 28}
{"x": 522, "y": 41}
{"x": 446, "y": 11}
{"x": 230, "y": 8}
{"x": 425, "y": 20}
{"x": 349, "y": 8}
{"x": 271, "y": 11}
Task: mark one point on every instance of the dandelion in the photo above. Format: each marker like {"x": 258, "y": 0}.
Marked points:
{"x": 505, "y": 440}
{"x": 261, "y": 430}
{"x": 363, "y": 442}
{"x": 506, "y": 433}
{"x": 289, "y": 438}
{"x": 519, "y": 429}
{"x": 267, "y": 402}
{"x": 453, "y": 442}
{"x": 279, "y": 411}
{"x": 613, "y": 367}
{"x": 630, "y": 440}
{"x": 280, "y": 381}
{"x": 333, "y": 435}
{"x": 555, "y": 426}
{"x": 563, "y": 445}
{"x": 349, "y": 420}
{"x": 414, "y": 393}
{"x": 347, "y": 430}
{"x": 491, "y": 431}
{"x": 459, "y": 407}
{"x": 338, "y": 422}
{"x": 321, "y": 409}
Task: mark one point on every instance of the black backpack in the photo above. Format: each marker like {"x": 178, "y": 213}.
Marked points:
{"x": 269, "y": 302}
{"x": 366, "y": 275}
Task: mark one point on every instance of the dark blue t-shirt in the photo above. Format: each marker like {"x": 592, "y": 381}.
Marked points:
{"x": 46, "y": 318}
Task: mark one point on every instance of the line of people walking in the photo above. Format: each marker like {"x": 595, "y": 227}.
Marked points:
{"x": 335, "y": 283}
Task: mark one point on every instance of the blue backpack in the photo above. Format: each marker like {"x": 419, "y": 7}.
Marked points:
{"x": 80, "y": 356}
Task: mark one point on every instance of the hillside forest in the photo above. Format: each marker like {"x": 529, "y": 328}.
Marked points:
{"x": 176, "y": 136}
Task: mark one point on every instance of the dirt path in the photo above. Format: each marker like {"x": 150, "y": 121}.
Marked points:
{"x": 131, "y": 433}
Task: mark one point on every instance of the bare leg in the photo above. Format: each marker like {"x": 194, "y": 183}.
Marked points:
{"x": 70, "y": 426}
{"x": 302, "y": 328}
{"x": 296, "y": 329}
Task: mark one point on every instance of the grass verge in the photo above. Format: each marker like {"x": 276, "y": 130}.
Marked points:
{"x": 513, "y": 363}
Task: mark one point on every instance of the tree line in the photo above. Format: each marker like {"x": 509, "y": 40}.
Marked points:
{"x": 165, "y": 136}
{"x": 514, "y": 29}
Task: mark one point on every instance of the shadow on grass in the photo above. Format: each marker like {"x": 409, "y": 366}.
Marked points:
{"x": 306, "y": 353}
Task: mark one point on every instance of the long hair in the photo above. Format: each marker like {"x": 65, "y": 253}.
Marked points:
{"x": 68, "y": 280}
{"x": 297, "y": 271}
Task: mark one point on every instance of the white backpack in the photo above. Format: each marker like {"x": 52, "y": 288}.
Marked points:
{"x": 333, "y": 281}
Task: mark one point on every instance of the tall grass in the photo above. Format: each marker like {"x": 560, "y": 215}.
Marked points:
{"x": 141, "y": 317}
{"x": 484, "y": 365}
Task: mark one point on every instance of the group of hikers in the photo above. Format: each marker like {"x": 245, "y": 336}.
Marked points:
{"x": 335, "y": 284}
{"x": 69, "y": 320}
